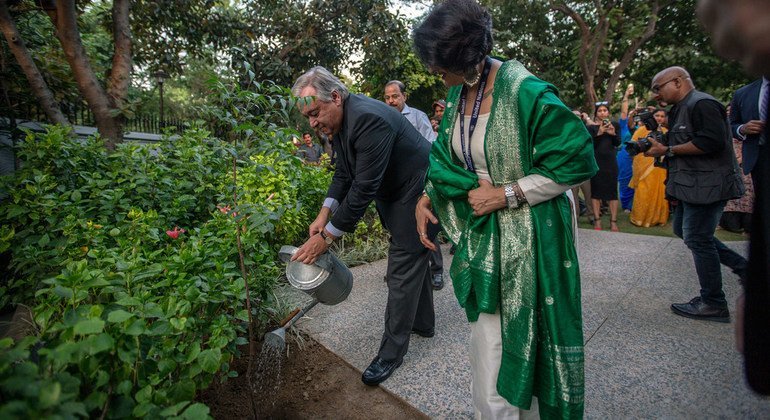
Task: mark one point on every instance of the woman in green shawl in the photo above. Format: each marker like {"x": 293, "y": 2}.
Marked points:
{"x": 507, "y": 153}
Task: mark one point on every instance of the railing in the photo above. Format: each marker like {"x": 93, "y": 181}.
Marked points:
{"x": 81, "y": 115}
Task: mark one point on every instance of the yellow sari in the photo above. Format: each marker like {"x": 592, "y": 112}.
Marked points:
{"x": 650, "y": 206}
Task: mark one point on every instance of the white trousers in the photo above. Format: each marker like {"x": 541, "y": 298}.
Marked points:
{"x": 486, "y": 351}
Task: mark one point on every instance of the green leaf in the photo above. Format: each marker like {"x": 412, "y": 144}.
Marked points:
{"x": 192, "y": 354}
{"x": 44, "y": 240}
{"x": 102, "y": 378}
{"x": 64, "y": 292}
{"x": 89, "y": 326}
{"x": 144, "y": 394}
{"x": 76, "y": 196}
{"x": 178, "y": 323}
{"x": 136, "y": 328}
{"x": 98, "y": 343}
{"x": 119, "y": 315}
{"x": 6, "y": 343}
{"x": 160, "y": 328}
{"x": 196, "y": 411}
{"x": 209, "y": 360}
{"x": 174, "y": 409}
{"x": 129, "y": 301}
{"x": 182, "y": 391}
{"x": 243, "y": 315}
{"x": 166, "y": 366}
{"x": 124, "y": 388}
{"x": 114, "y": 232}
{"x": 49, "y": 394}
{"x": 142, "y": 409}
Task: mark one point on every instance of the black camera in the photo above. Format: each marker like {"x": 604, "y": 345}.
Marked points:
{"x": 642, "y": 145}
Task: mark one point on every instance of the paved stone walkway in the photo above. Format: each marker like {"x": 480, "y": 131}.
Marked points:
{"x": 641, "y": 360}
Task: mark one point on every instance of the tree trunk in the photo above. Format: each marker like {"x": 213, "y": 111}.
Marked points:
{"x": 38, "y": 85}
{"x": 103, "y": 108}
{"x": 117, "y": 86}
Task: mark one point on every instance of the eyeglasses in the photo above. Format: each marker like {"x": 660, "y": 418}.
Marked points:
{"x": 657, "y": 88}
{"x": 601, "y": 103}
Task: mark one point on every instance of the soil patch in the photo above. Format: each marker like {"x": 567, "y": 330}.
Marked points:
{"x": 314, "y": 384}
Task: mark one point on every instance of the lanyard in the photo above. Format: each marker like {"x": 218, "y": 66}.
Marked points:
{"x": 474, "y": 115}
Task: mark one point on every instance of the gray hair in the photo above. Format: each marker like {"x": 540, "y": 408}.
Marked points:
{"x": 324, "y": 83}
{"x": 401, "y": 86}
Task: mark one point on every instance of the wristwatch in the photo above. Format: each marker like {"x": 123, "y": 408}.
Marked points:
{"x": 328, "y": 239}
{"x": 670, "y": 151}
{"x": 510, "y": 196}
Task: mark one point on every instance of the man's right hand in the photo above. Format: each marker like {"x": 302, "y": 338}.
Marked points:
{"x": 752, "y": 127}
{"x": 320, "y": 221}
{"x": 423, "y": 214}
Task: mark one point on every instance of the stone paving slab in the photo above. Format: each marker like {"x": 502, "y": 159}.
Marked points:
{"x": 641, "y": 360}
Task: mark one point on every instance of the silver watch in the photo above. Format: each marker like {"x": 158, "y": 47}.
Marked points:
{"x": 510, "y": 197}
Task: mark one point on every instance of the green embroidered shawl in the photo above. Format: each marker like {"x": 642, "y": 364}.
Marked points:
{"x": 522, "y": 261}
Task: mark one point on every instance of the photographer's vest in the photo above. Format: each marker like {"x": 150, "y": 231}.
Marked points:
{"x": 706, "y": 178}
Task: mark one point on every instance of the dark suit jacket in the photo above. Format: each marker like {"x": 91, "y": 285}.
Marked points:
{"x": 380, "y": 156}
{"x": 744, "y": 108}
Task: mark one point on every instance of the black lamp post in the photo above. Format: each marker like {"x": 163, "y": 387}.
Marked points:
{"x": 160, "y": 77}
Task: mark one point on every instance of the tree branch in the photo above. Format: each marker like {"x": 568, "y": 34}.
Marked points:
{"x": 636, "y": 43}
{"x": 37, "y": 83}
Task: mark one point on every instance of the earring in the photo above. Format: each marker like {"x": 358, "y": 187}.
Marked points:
{"x": 472, "y": 82}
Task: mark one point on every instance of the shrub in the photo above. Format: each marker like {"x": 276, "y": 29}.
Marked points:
{"x": 130, "y": 263}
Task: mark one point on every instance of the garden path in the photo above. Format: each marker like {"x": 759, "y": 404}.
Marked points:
{"x": 641, "y": 360}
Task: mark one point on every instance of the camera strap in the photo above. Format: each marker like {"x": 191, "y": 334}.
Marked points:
{"x": 474, "y": 114}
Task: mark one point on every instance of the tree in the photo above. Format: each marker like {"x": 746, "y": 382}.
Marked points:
{"x": 588, "y": 47}
{"x": 601, "y": 38}
{"x": 165, "y": 31}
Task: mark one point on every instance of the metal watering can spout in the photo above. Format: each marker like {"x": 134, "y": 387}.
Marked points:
{"x": 276, "y": 339}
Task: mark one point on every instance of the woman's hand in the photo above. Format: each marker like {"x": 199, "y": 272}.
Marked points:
{"x": 610, "y": 129}
{"x": 602, "y": 129}
{"x": 423, "y": 214}
{"x": 486, "y": 198}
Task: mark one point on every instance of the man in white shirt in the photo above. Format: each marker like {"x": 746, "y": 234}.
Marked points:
{"x": 395, "y": 96}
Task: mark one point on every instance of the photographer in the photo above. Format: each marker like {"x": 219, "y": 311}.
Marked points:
{"x": 702, "y": 176}
{"x": 649, "y": 179}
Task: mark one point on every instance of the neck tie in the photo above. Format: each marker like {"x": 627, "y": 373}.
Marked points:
{"x": 763, "y": 114}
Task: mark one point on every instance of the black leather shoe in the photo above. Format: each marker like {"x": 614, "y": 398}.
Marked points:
{"x": 437, "y": 281}
{"x": 379, "y": 370}
{"x": 424, "y": 333}
{"x": 697, "y": 309}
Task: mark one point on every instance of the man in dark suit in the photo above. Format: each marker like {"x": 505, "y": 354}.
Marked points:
{"x": 745, "y": 122}
{"x": 380, "y": 158}
{"x": 741, "y": 31}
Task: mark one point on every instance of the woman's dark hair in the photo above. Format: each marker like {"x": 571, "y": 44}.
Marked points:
{"x": 456, "y": 36}
{"x": 601, "y": 105}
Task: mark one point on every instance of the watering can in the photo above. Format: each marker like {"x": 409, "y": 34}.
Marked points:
{"x": 328, "y": 281}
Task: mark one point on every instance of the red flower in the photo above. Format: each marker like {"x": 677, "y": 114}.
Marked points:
{"x": 224, "y": 209}
{"x": 173, "y": 234}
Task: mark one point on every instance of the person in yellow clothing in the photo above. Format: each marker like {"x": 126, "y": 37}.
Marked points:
{"x": 650, "y": 206}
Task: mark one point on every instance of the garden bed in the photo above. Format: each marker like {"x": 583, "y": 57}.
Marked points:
{"x": 315, "y": 384}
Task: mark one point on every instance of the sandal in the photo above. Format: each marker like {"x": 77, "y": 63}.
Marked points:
{"x": 614, "y": 226}
{"x": 597, "y": 224}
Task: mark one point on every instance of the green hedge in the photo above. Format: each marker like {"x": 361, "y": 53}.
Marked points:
{"x": 130, "y": 266}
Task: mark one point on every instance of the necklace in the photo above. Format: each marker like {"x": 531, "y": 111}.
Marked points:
{"x": 474, "y": 114}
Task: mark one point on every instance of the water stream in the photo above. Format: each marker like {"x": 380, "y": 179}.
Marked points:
{"x": 266, "y": 381}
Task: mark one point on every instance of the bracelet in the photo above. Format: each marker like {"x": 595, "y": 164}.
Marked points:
{"x": 519, "y": 193}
